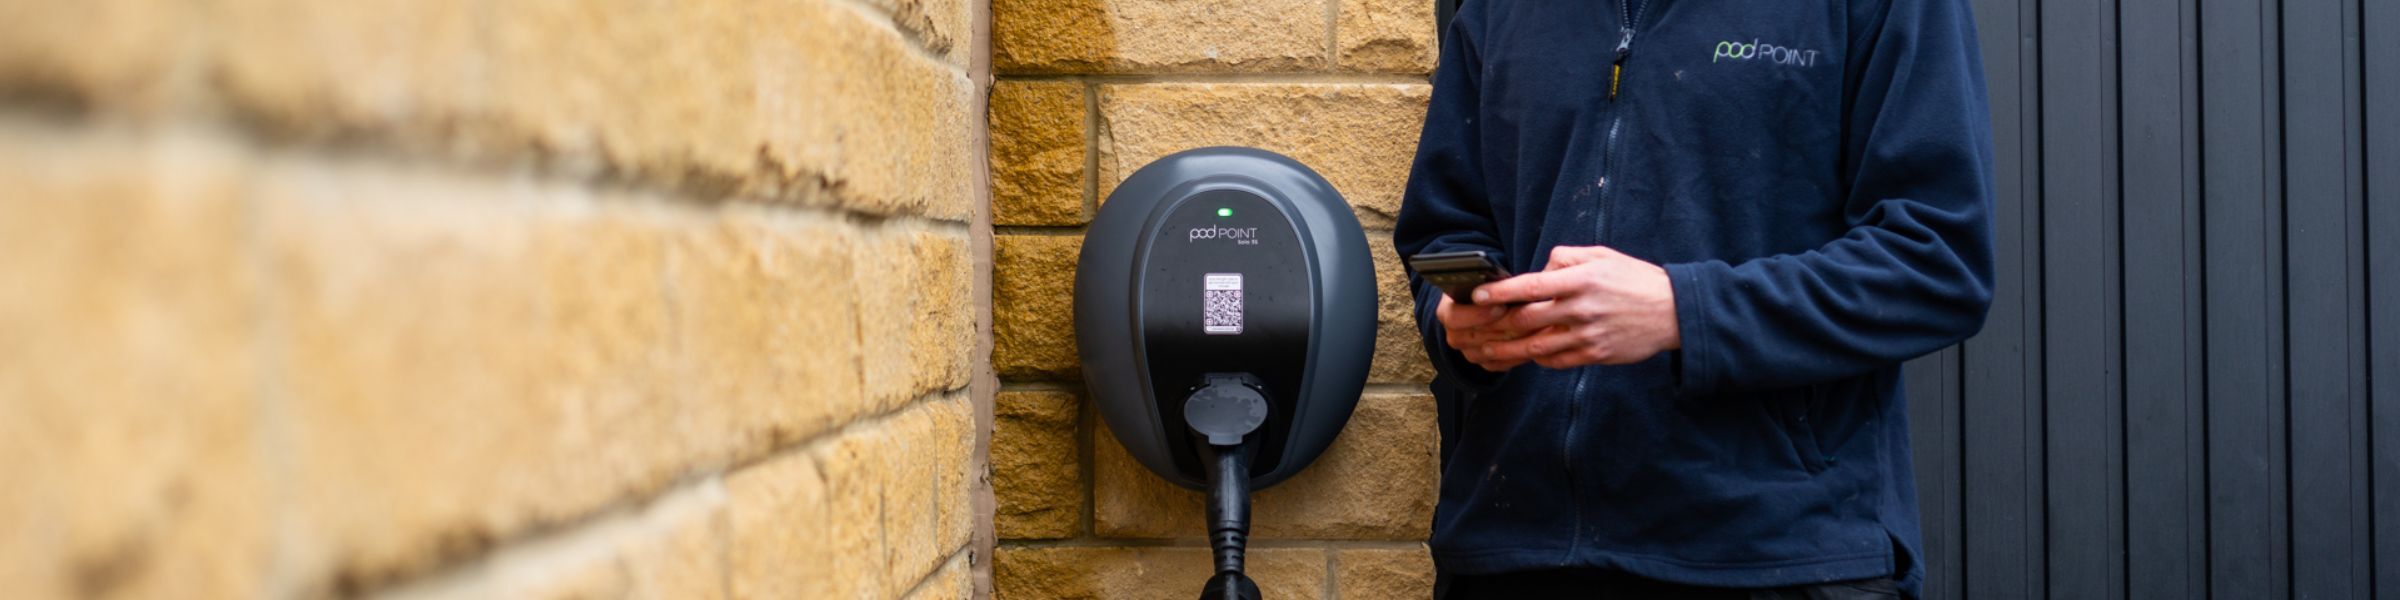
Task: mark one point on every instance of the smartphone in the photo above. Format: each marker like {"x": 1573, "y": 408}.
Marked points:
{"x": 1458, "y": 273}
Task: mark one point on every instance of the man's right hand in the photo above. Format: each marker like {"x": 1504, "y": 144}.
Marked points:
{"x": 1468, "y": 328}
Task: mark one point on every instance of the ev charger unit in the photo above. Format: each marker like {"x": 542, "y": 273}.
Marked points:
{"x": 1225, "y": 313}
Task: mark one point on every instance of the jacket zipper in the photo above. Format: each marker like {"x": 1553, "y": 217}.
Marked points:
{"x": 1566, "y": 451}
{"x": 1616, "y": 116}
{"x": 1616, "y": 68}
{"x": 1626, "y": 17}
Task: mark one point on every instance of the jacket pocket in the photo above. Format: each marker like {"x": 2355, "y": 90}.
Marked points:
{"x": 1797, "y": 415}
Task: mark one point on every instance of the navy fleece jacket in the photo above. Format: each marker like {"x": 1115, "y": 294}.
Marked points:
{"x": 1815, "y": 178}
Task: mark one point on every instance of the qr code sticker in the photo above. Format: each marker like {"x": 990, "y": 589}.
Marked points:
{"x": 1221, "y": 304}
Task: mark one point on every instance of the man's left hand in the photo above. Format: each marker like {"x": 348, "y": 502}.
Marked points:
{"x": 1591, "y": 305}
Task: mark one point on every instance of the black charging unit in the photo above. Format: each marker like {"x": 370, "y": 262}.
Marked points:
{"x": 1225, "y": 313}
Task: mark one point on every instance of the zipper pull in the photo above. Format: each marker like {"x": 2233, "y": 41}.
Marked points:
{"x": 1616, "y": 70}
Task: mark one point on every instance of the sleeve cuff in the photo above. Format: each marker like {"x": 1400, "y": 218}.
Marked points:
{"x": 1696, "y": 372}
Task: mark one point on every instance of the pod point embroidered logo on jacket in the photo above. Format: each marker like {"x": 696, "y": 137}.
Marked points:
{"x": 1757, "y": 50}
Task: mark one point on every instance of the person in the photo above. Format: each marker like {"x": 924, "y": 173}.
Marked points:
{"x": 1732, "y": 222}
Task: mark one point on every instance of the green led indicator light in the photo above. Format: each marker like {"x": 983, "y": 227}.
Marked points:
{"x": 1224, "y": 212}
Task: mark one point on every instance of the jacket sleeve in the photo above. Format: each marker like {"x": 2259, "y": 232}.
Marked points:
{"x": 1444, "y": 207}
{"x": 1914, "y": 271}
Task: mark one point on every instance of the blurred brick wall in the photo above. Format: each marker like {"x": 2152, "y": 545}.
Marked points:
{"x": 521, "y": 299}
{"x": 1090, "y": 90}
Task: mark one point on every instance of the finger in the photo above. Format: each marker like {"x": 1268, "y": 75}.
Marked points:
{"x": 1565, "y": 360}
{"x": 1463, "y": 316}
{"x": 1460, "y": 316}
{"x": 1591, "y": 352}
{"x": 1477, "y": 336}
{"x": 1547, "y": 342}
{"x": 1530, "y": 287}
{"x": 1473, "y": 338}
{"x": 1499, "y": 367}
{"x": 1566, "y": 256}
{"x": 1543, "y": 315}
{"x": 1477, "y": 356}
{"x": 1466, "y": 339}
{"x": 1476, "y": 316}
{"x": 1562, "y": 361}
{"x": 1614, "y": 357}
{"x": 1569, "y": 256}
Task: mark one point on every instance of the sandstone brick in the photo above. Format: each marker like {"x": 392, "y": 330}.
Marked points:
{"x": 681, "y": 551}
{"x": 1377, "y": 481}
{"x": 1037, "y": 472}
{"x": 940, "y": 340}
{"x": 1399, "y": 348}
{"x": 1085, "y": 36}
{"x": 954, "y": 21}
{"x": 938, "y": 26}
{"x": 458, "y": 362}
{"x": 1361, "y": 137}
{"x": 1388, "y": 36}
{"x": 402, "y": 325}
{"x": 915, "y": 307}
{"x": 1033, "y": 311}
{"x": 596, "y": 581}
{"x": 1147, "y": 573}
{"x": 127, "y": 380}
{"x": 767, "y": 324}
{"x": 801, "y": 531}
{"x": 106, "y": 53}
{"x": 811, "y": 100}
{"x": 857, "y": 515}
{"x": 956, "y": 470}
{"x": 441, "y": 365}
{"x": 1037, "y": 154}
{"x": 952, "y": 582}
{"x": 906, "y": 455}
{"x": 888, "y": 286}
{"x": 1382, "y": 573}
{"x": 463, "y": 361}
{"x": 669, "y": 548}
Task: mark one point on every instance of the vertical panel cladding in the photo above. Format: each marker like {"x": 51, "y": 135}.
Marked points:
{"x": 2081, "y": 395}
{"x": 2195, "y": 323}
{"x": 2381, "y": 52}
{"x": 2164, "y": 501}
{"x": 2000, "y": 437}
{"x": 1934, "y": 399}
{"x": 2278, "y": 430}
{"x": 2162, "y": 505}
{"x": 2243, "y": 394}
{"x": 2318, "y": 199}
{"x": 2362, "y": 545}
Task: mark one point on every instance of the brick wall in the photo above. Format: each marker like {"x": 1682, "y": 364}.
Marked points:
{"x": 448, "y": 298}
{"x": 1088, "y": 91}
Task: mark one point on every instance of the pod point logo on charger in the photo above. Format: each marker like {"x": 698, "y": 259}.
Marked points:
{"x": 1246, "y": 236}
